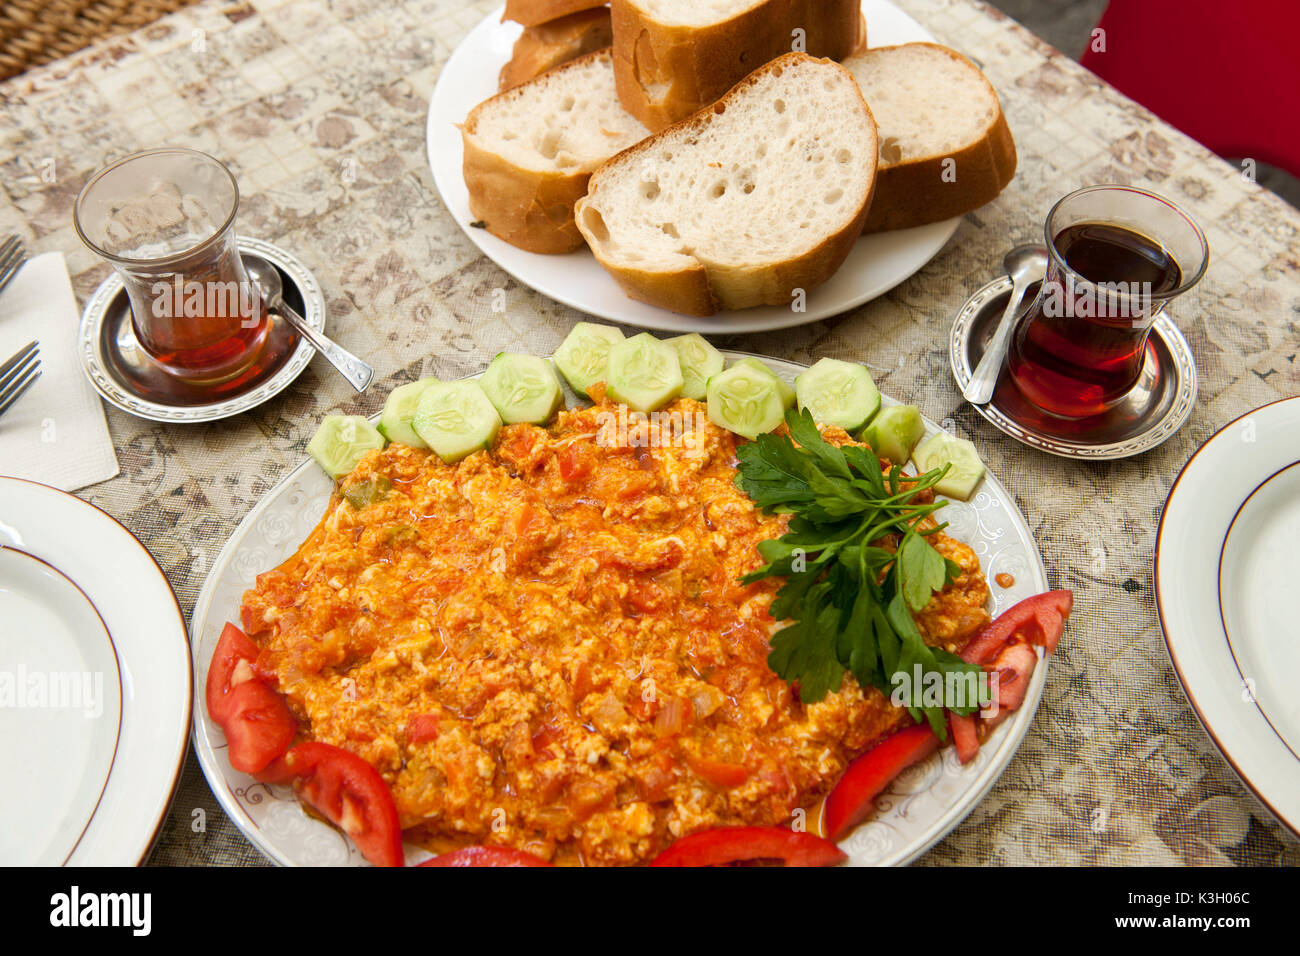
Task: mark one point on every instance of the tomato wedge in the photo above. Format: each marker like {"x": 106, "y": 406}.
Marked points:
{"x": 232, "y": 664}
{"x": 1038, "y": 619}
{"x": 965, "y": 738}
{"x": 258, "y": 726}
{"x": 1005, "y": 647}
{"x": 486, "y": 856}
{"x": 348, "y": 792}
{"x": 854, "y": 796}
{"x": 725, "y": 845}
{"x": 1014, "y": 665}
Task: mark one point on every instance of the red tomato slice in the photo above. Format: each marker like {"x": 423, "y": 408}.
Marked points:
{"x": 258, "y": 726}
{"x": 348, "y": 792}
{"x": 1038, "y": 619}
{"x": 1014, "y": 666}
{"x": 486, "y": 856}
{"x": 854, "y": 796}
{"x": 232, "y": 664}
{"x": 964, "y": 737}
{"x": 725, "y": 845}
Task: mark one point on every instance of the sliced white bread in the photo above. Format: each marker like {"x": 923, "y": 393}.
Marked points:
{"x": 532, "y": 12}
{"x": 547, "y": 45}
{"x": 945, "y": 147}
{"x": 745, "y": 203}
{"x": 530, "y": 150}
{"x": 673, "y": 57}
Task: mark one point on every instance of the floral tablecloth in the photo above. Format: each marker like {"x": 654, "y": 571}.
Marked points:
{"x": 319, "y": 106}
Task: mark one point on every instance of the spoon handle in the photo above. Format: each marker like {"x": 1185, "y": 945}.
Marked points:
{"x": 979, "y": 390}
{"x": 357, "y": 372}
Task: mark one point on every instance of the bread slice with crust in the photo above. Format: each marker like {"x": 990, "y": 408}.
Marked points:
{"x": 530, "y": 150}
{"x": 945, "y": 147}
{"x": 548, "y": 45}
{"x": 532, "y": 12}
{"x": 745, "y": 203}
{"x": 673, "y": 57}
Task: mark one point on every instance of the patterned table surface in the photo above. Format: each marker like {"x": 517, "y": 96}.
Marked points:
{"x": 319, "y": 106}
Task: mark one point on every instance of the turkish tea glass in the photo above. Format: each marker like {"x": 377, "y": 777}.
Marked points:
{"x": 1117, "y": 255}
{"x": 165, "y": 220}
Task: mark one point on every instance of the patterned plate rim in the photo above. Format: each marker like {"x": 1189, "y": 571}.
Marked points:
{"x": 983, "y": 772}
{"x": 93, "y": 364}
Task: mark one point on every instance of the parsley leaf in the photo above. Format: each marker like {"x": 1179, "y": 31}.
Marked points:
{"x": 856, "y": 566}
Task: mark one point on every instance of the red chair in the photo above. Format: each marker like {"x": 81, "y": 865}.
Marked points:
{"x": 1227, "y": 74}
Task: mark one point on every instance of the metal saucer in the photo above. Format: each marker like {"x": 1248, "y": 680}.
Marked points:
{"x": 1154, "y": 410}
{"x": 127, "y": 378}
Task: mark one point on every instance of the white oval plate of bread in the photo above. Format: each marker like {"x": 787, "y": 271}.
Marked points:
{"x": 875, "y": 263}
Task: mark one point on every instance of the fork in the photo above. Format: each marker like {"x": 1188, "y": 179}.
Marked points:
{"x": 12, "y": 257}
{"x": 18, "y": 374}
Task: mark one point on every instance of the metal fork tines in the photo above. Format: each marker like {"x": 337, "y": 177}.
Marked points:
{"x": 12, "y": 257}
{"x": 18, "y": 374}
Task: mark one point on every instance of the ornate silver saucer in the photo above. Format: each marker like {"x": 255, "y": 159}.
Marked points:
{"x": 1154, "y": 410}
{"x": 121, "y": 371}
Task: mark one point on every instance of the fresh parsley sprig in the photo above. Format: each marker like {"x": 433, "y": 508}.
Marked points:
{"x": 849, "y": 599}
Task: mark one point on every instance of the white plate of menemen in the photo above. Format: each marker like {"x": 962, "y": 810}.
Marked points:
{"x": 875, "y": 263}
{"x": 537, "y": 641}
{"x": 94, "y": 684}
{"x": 1226, "y": 554}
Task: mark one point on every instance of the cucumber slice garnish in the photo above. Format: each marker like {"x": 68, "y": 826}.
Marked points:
{"x": 644, "y": 373}
{"x": 966, "y": 471}
{"x": 746, "y": 400}
{"x": 783, "y": 389}
{"x": 894, "y": 432}
{"x": 583, "y": 355}
{"x": 341, "y": 441}
{"x": 838, "y": 393}
{"x": 395, "y": 423}
{"x": 523, "y": 388}
{"x": 699, "y": 361}
{"x": 456, "y": 419}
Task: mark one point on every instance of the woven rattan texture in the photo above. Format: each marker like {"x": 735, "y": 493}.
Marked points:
{"x": 33, "y": 32}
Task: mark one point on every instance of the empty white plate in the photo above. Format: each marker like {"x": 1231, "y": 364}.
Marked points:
{"x": 1227, "y": 555}
{"x": 94, "y": 684}
{"x": 60, "y": 710}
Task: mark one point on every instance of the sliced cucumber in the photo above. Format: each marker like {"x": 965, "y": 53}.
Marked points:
{"x": 399, "y": 412}
{"x": 699, "y": 360}
{"x": 341, "y": 441}
{"x": 838, "y": 393}
{"x": 966, "y": 471}
{"x": 644, "y": 373}
{"x": 894, "y": 432}
{"x": 523, "y": 388}
{"x": 583, "y": 355}
{"x": 746, "y": 400}
{"x": 783, "y": 389}
{"x": 456, "y": 419}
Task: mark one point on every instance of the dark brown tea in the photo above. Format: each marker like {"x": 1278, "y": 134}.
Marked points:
{"x": 1081, "y": 345}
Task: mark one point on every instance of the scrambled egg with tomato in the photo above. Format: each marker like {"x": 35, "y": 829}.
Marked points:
{"x": 547, "y": 645}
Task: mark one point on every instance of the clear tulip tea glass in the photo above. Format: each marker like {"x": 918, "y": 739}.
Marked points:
{"x": 1117, "y": 255}
{"x": 165, "y": 220}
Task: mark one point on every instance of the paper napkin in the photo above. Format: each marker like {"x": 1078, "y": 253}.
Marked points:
{"x": 55, "y": 433}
